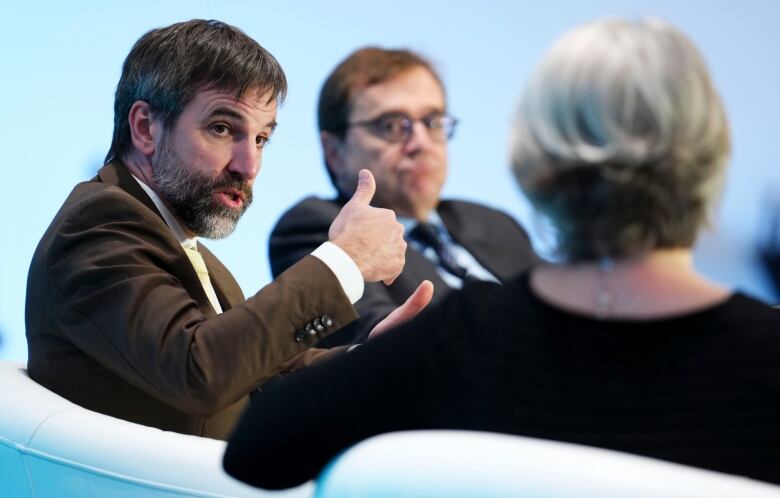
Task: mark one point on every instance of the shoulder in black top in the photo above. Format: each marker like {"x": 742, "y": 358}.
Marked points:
{"x": 699, "y": 389}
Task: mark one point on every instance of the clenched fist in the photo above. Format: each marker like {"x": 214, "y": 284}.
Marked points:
{"x": 370, "y": 236}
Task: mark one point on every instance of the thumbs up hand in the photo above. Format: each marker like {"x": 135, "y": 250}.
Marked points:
{"x": 366, "y": 188}
{"x": 370, "y": 236}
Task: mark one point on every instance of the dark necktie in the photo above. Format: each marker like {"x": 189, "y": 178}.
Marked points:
{"x": 430, "y": 236}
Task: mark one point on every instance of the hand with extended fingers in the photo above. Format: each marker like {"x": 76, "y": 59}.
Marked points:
{"x": 410, "y": 309}
{"x": 370, "y": 236}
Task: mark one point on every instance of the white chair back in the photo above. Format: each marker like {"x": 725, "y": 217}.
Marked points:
{"x": 52, "y": 448}
{"x": 461, "y": 464}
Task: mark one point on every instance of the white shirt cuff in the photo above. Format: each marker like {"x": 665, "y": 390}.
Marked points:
{"x": 343, "y": 267}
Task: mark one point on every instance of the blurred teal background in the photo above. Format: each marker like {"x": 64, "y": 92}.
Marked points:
{"x": 61, "y": 62}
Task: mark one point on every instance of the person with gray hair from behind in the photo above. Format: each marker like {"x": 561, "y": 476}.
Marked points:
{"x": 621, "y": 141}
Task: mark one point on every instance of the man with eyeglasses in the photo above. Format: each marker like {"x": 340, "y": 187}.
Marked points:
{"x": 385, "y": 111}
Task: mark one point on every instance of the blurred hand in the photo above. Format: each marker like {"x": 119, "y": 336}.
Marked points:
{"x": 402, "y": 314}
{"x": 370, "y": 236}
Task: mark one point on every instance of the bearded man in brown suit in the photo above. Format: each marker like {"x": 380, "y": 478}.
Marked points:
{"x": 127, "y": 312}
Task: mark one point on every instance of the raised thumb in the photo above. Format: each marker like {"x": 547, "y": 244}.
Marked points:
{"x": 365, "y": 188}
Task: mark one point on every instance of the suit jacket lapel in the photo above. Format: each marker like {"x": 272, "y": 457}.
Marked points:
{"x": 227, "y": 289}
{"x": 116, "y": 173}
{"x": 464, "y": 231}
{"x": 225, "y": 286}
{"x": 472, "y": 234}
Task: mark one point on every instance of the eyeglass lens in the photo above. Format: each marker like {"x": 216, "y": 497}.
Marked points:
{"x": 398, "y": 128}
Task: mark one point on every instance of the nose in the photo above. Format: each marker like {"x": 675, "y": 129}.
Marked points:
{"x": 419, "y": 138}
{"x": 246, "y": 159}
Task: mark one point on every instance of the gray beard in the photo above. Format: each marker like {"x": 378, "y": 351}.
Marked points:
{"x": 190, "y": 195}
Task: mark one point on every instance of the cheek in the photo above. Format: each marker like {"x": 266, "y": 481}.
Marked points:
{"x": 380, "y": 161}
{"x": 443, "y": 168}
{"x": 391, "y": 161}
{"x": 440, "y": 172}
{"x": 441, "y": 157}
{"x": 188, "y": 152}
{"x": 374, "y": 155}
{"x": 208, "y": 160}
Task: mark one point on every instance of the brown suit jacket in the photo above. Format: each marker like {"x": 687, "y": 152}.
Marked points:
{"x": 118, "y": 322}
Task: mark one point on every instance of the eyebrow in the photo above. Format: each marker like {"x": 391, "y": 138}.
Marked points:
{"x": 233, "y": 114}
{"x": 428, "y": 111}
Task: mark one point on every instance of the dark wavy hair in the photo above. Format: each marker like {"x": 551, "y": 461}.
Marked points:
{"x": 167, "y": 66}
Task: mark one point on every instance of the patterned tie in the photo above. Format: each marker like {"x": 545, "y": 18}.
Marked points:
{"x": 203, "y": 275}
{"x": 430, "y": 236}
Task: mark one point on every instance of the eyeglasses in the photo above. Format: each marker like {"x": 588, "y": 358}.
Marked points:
{"x": 397, "y": 127}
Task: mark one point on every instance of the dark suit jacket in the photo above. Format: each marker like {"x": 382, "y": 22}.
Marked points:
{"x": 118, "y": 322}
{"x": 495, "y": 240}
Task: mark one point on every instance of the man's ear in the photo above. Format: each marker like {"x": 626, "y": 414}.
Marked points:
{"x": 332, "y": 147}
{"x": 143, "y": 127}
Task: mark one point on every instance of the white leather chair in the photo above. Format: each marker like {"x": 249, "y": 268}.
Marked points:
{"x": 460, "y": 464}
{"x": 51, "y": 448}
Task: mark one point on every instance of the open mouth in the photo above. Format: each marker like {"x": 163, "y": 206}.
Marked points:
{"x": 232, "y": 198}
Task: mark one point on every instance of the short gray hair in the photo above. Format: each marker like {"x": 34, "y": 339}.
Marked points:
{"x": 621, "y": 139}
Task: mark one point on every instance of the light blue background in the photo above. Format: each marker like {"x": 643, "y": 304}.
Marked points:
{"x": 61, "y": 62}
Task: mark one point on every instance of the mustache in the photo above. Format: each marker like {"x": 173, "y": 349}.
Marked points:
{"x": 229, "y": 181}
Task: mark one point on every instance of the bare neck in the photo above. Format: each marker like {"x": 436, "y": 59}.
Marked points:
{"x": 660, "y": 283}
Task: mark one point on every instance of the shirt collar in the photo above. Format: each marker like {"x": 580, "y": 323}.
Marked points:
{"x": 170, "y": 219}
{"x": 433, "y": 218}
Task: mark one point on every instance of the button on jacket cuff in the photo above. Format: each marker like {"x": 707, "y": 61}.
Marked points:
{"x": 313, "y": 328}
{"x": 343, "y": 267}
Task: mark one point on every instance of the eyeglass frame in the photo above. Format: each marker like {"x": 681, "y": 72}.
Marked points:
{"x": 373, "y": 125}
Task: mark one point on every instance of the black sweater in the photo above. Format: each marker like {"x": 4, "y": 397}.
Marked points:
{"x": 701, "y": 389}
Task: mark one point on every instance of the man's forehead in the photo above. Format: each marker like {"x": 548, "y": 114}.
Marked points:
{"x": 413, "y": 88}
{"x": 252, "y": 104}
